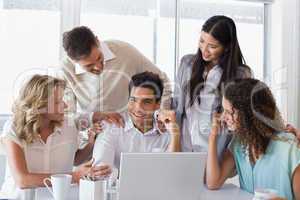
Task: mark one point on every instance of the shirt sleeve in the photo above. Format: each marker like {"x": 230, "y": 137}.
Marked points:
{"x": 105, "y": 146}
{"x": 294, "y": 158}
{"x": 9, "y": 133}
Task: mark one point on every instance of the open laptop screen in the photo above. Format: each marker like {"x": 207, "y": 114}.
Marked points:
{"x": 161, "y": 176}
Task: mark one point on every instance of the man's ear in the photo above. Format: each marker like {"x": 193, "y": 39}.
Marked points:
{"x": 157, "y": 105}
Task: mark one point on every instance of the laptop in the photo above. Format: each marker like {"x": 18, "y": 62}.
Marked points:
{"x": 161, "y": 176}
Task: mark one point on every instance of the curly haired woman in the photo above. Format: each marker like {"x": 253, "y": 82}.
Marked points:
{"x": 263, "y": 155}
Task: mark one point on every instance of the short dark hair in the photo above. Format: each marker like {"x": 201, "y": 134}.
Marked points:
{"x": 79, "y": 42}
{"x": 148, "y": 80}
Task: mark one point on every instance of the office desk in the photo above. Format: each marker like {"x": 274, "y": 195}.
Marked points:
{"x": 227, "y": 192}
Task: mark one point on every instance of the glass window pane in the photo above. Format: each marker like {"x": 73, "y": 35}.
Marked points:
{"x": 29, "y": 41}
{"x": 146, "y": 24}
{"x": 247, "y": 16}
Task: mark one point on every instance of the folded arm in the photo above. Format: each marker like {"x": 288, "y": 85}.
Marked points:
{"x": 217, "y": 172}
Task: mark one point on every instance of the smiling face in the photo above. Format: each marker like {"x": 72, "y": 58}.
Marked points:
{"x": 94, "y": 62}
{"x": 210, "y": 48}
{"x": 141, "y": 107}
{"x": 230, "y": 115}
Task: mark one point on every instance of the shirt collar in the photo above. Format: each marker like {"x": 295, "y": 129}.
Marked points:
{"x": 215, "y": 70}
{"x": 107, "y": 53}
{"x": 130, "y": 126}
{"x": 57, "y": 131}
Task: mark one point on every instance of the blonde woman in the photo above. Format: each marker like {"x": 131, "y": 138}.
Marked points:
{"x": 39, "y": 140}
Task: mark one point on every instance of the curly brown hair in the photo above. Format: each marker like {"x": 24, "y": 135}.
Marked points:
{"x": 258, "y": 116}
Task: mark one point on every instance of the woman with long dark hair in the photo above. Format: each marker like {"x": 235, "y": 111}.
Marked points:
{"x": 262, "y": 153}
{"x": 201, "y": 77}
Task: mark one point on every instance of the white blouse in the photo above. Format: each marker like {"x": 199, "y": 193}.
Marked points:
{"x": 55, "y": 156}
{"x": 197, "y": 124}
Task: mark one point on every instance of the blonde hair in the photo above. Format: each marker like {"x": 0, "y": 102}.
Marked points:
{"x": 27, "y": 108}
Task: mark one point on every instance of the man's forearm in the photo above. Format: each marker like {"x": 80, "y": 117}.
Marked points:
{"x": 174, "y": 145}
{"x": 84, "y": 154}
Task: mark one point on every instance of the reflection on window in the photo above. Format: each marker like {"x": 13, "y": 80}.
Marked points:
{"x": 146, "y": 24}
{"x": 150, "y": 26}
{"x": 29, "y": 40}
{"x": 247, "y": 16}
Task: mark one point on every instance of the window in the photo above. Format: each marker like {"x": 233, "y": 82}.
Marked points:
{"x": 30, "y": 32}
{"x": 150, "y": 26}
{"x": 29, "y": 42}
{"x": 147, "y": 25}
{"x": 248, "y": 18}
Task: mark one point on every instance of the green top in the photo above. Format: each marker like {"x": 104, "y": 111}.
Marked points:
{"x": 273, "y": 170}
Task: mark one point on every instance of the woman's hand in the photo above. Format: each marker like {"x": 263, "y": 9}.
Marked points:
{"x": 216, "y": 124}
{"x": 292, "y": 129}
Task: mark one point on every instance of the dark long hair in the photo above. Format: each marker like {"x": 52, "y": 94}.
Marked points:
{"x": 258, "y": 116}
{"x": 223, "y": 29}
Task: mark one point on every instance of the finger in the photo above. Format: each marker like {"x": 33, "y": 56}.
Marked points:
{"x": 97, "y": 129}
{"x": 108, "y": 120}
{"x": 122, "y": 122}
{"x": 101, "y": 167}
{"x": 113, "y": 121}
{"x": 91, "y": 134}
{"x": 118, "y": 119}
{"x": 103, "y": 172}
{"x": 97, "y": 126}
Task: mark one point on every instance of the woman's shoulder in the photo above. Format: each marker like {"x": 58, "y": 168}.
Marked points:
{"x": 187, "y": 60}
{"x": 185, "y": 69}
{"x": 9, "y": 132}
{"x": 285, "y": 138}
{"x": 286, "y": 142}
{"x": 286, "y": 150}
{"x": 244, "y": 71}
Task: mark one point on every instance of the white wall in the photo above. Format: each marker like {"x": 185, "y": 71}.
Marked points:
{"x": 2, "y": 168}
{"x": 284, "y": 57}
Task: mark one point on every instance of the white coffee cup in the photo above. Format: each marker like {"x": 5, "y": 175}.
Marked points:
{"x": 60, "y": 185}
{"x": 264, "y": 194}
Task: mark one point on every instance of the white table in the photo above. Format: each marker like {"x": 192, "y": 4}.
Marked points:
{"x": 227, "y": 192}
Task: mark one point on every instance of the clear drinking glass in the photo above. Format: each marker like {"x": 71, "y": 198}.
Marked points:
{"x": 28, "y": 194}
{"x": 112, "y": 189}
